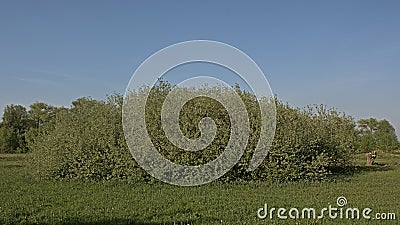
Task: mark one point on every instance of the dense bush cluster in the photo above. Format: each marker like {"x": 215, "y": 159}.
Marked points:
{"x": 310, "y": 143}
{"x": 87, "y": 142}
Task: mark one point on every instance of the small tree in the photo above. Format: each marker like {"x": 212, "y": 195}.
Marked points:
{"x": 377, "y": 135}
{"x": 40, "y": 113}
{"x": 8, "y": 140}
{"x": 14, "y": 126}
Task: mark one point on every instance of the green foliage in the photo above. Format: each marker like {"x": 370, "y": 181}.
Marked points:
{"x": 189, "y": 118}
{"x": 85, "y": 142}
{"x": 13, "y": 127}
{"x": 8, "y": 140}
{"x": 20, "y": 126}
{"x": 16, "y": 117}
{"x": 41, "y": 113}
{"x": 310, "y": 144}
{"x": 377, "y": 135}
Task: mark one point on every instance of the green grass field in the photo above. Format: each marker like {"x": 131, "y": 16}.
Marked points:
{"x": 24, "y": 200}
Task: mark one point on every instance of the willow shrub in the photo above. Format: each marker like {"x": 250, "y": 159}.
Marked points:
{"x": 87, "y": 142}
{"x": 310, "y": 143}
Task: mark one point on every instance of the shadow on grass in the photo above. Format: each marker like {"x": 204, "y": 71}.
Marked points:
{"x": 373, "y": 168}
{"x": 82, "y": 221}
{"x": 111, "y": 221}
{"x": 11, "y": 166}
{"x": 348, "y": 172}
{"x": 29, "y": 216}
{"x": 11, "y": 158}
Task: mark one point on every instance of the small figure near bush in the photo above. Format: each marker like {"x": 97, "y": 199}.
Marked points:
{"x": 371, "y": 156}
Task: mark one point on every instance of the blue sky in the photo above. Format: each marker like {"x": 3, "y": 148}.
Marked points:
{"x": 345, "y": 54}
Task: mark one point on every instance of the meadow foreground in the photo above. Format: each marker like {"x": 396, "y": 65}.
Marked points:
{"x": 28, "y": 201}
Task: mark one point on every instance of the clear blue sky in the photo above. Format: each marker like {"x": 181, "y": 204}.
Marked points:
{"x": 345, "y": 54}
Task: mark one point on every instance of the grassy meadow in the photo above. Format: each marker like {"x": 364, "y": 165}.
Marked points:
{"x": 24, "y": 200}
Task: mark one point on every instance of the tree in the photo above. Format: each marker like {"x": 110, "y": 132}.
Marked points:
{"x": 8, "y": 140}
{"x": 41, "y": 113}
{"x": 386, "y": 136}
{"x": 16, "y": 117}
{"x": 377, "y": 135}
{"x": 368, "y": 125}
{"x": 13, "y": 128}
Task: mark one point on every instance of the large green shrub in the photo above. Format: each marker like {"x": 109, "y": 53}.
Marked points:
{"x": 87, "y": 141}
{"x": 310, "y": 143}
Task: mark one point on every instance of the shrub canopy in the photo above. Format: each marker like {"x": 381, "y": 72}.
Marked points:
{"x": 87, "y": 141}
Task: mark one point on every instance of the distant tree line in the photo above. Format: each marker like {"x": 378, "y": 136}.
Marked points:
{"x": 20, "y": 125}
{"x": 376, "y": 134}
{"x": 86, "y": 141}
